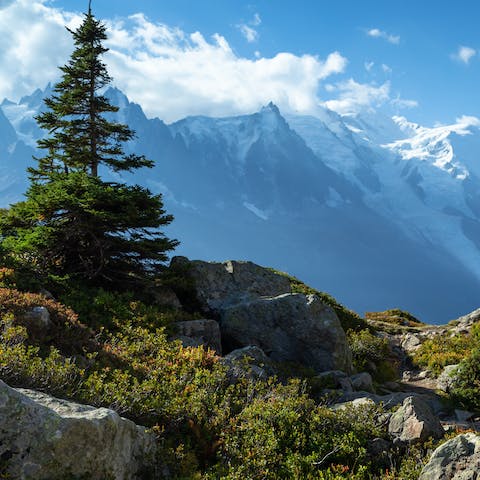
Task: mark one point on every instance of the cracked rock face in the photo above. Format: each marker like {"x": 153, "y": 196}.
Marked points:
{"x": 457, "y": 459}
{"x": 45, "y": 438}
{"x": 289, "y": 328}
{"x": 414, "y": 422}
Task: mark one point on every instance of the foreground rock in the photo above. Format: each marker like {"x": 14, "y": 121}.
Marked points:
{"x": 44, "y": 438}
{"x": 457, "y": 459}
{"x": 414, "y": 422}
{"x": 289, "y": 328}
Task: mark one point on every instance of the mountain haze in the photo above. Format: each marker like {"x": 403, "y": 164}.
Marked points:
{"x": 378, "y": 211}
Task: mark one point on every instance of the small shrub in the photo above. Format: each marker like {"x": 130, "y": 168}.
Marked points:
{"x": 372, "y": 353}
{"x": 466, "y": 386}
{"x": 67, "y": 333}
{"x": 284, "y": 434}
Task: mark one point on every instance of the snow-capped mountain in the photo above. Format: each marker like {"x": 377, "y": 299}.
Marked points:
{"x": 378, "y": 211}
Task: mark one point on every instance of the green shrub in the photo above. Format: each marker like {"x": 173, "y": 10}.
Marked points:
{"x": 466, "y": 386}
{"x": 372, "y": 353}
{"x": 436, "y": 353}
{"x": 66, "y": 333}
{"x": 284, "y": 434}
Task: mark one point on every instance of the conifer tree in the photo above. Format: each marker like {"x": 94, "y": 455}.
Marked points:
{"x": 72, "y": 222}
{"x": 81, "y": 137}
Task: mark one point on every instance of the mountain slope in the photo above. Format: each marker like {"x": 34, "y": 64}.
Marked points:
{"x": 333, "y": 200}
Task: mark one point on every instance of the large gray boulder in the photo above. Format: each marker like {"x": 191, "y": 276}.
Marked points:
{"x": 221, "y": 284}
{"x": 457, "y": 459}
{"x": 44, "y": 438}
{"x": 289, "y": 328}
{"x": 362, "y": 382}
{"x": 414, "y": 422}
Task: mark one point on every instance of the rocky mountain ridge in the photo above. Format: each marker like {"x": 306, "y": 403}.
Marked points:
{"x": 364, "y": 200}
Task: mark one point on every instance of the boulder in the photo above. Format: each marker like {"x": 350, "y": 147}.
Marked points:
{"x": 414, "y": 422}
{"x": 334, "y": 379}
{"x": 410, "y": 342}
{"x": 362, "y": 381}
{"x": 361, "y": 402}
{"x": 446, "y": 379}
{"x": 221, "y": 284}
{"x": 457, "y": 459}
{"x": 194, "y": 333}
{"x": 289, "y": 328}
{"x": 44, "y": 438}
{"x": 38, "y": 318}
{"x": 250, "y": 362}
{"x": 394, "y": 399}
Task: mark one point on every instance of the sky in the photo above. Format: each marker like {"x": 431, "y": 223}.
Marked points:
{"x": 420, "y": 59}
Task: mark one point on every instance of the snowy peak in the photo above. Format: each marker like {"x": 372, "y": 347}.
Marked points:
{"x": 442, "y": 147}
{"x": 236, "y": 135}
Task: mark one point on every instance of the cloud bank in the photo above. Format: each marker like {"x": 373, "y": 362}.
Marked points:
{"x": 171, "y": 73}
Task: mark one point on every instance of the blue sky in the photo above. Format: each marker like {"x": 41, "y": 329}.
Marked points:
{"x": 419, "y": 59}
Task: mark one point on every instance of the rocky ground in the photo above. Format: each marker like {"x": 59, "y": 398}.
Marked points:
{"x": 254, "y": 320}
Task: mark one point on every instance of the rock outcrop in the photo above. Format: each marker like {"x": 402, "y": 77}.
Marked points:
{"x": 414, "y": 422}
{"x": 289, "y": 328}
{"x": 457, "y": 459}
{"x": 219, "y": 285}
{"x": 255, "y": 306}
{"x": 248, "y": 362}
{"x": 44, "y": 438}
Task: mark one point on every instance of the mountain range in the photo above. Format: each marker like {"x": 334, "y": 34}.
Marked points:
{"x": 376, "y": 210}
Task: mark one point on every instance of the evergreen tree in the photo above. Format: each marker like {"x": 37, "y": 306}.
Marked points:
{"x": 81, "y": 137}
{"x": 72, "y": 222}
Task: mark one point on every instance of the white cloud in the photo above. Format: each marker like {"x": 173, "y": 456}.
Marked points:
{"x": 169, "y": 72}
{"x": 368, "y": 65}
{"x": 468, "y": 120}
{"x": 464, "y": 54}
{"x": 403, "y": 103}
{"x": 386, "y": 68}
{"x": 193, "y": 75}
{"x": 377, "y": 33}
{"x": 172, "y": 73}
{"x": 250, "y": 34}
{"x": 248, "y": 30}
{"x": 256, "y": 20}
{"x": 34, "y": 41}
{"x": 353, "y": 96}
